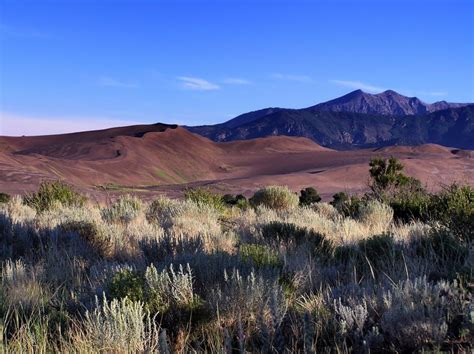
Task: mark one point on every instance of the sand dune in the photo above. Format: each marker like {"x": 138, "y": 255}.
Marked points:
{"x": 158, "y": 158}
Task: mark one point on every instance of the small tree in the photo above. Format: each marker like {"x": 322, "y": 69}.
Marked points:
{"x": 309, "y": 195}
{"x": 385, "y": 173}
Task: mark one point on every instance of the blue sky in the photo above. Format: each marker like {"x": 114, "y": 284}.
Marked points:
{"x": 78, "y": 65}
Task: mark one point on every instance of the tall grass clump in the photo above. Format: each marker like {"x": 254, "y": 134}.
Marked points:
{"x": 275, "y": 197}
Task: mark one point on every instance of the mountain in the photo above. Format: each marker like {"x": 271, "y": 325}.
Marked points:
{"x": 357, "y": 120}
{"x": 386, "y": 103}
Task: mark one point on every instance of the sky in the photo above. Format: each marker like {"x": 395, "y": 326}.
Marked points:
{"x": 76, "y": 65}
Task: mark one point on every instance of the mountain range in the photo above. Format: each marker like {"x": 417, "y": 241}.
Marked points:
{"x": 357, "y": 120}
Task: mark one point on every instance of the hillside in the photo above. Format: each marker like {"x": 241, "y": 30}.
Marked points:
{"x": 162, "y": 158}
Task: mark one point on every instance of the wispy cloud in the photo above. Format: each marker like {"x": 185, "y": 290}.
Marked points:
{"x": 358, "y": 85}
{"x": 236, "y": 81}
{"x": 107, "y": 81}
{"x": 195, "y": 83}
{"x": 289, "y": 77}
{"x": 16, "y": 125}
{"x": 11, "y": 31}
{"x": 431, "y": 93}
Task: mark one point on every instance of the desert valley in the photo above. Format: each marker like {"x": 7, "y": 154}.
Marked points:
{"x": 166, "y": 159}
{"x": 235, "y": 176}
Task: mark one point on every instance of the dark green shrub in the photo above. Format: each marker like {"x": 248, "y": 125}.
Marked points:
{"x": 275, "y": 197}
{"x": 380, "y": 251}
{"x": 454, "y": 209}
{"x": 346, "y": 205}
{"x": 127, "y": 283}
{"x": 50, "y": 194}
{"x": 309, "y": 196}
{"x": 292, "y": 235}
{"x": 238, "y": 200}
{"x": 5, "y": 198}
{"x": 259, "y": 255}
{"x": 205, "y": 196}
{"x": 411, "y": 204}
{"x": 386, "y": 173}
{"x": 442, "y": 247}
{"x": 92, "y": 234}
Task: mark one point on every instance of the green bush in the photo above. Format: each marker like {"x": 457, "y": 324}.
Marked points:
{"x": 380, "y": 250}
{"x": 275, "y": 197}
{"x": 454, "y": 209}
{"x": 5, "y": 198}
{"x": 346, "y": 205}
{"x": 127, "y": 283}
{"x": 205, "y": 196}
{"x": 50, "y": 194}
{"x": 443, "y": 249}
{"x": 411, "y": 204}
{"x": 238, "y": 201}
{"x": 309, "y": 196}
{"x": 259, "y": 255}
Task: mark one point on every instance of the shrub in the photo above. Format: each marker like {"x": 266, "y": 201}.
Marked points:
{"x": 290, "y": 234}
{"x": 275, "y": 197}
{"x": 125, "y": 209}
{"x": 259, "y": 255}
{"x": 443, "y": 249}
{"x": 376, "y": 215}
{"x": 454, "y": 209}
{"x": 50, "y": 194}
{"x": 171, "y": 287}
{"x": 5, "y": 198}
{"x": 411, "y": 203}
{"x": 205, "y": 196}
{"x": 346, "y": 205}
{"x": 386, "y": 173}
{"x": 380, "y": 251}
{"x": 119, "y": 326}
{"x": 239, "y": 201}
{"x": 309, "y": 196}
{"x": 91, "y": 233}
{"x": 127, "y": 283}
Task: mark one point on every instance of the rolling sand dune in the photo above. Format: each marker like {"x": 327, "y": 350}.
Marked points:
{"x": 152, "y": 159}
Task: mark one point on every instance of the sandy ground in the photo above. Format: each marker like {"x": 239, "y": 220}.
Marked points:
{"x": 158, "y": 159}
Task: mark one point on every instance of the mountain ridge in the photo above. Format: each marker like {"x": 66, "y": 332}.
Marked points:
{"x": 357, "y": 120}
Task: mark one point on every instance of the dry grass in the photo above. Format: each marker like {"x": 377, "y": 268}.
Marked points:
{"x": 382, "y": 286}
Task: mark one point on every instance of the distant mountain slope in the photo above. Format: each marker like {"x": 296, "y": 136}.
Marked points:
{"x": 386, "y": 103}
{"x": 347, "y": 130}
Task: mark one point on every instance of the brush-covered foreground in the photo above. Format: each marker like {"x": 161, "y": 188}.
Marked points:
{"x": 224, "y": 275}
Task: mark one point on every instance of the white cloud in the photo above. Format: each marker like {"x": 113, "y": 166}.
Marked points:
{"x": 236, "y": 81}
{"x": 18, "y": 125}
{"x": 432, "y": 93}
{"x": 358, "y": 85}
{"x": 288, "y": 77}
{"x": 195, "y": 83}
{"x": 107, "y": 81}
